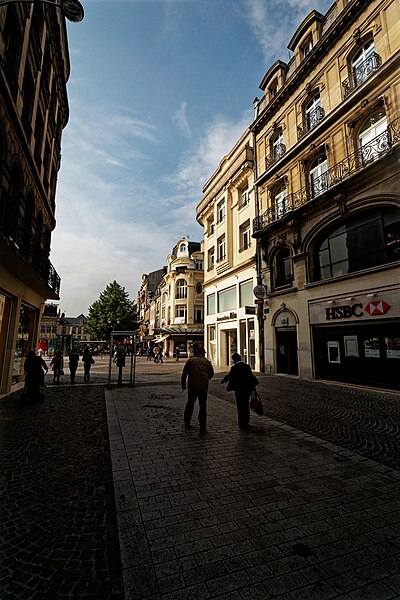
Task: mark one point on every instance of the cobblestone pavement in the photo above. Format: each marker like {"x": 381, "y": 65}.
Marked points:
{"x": 59, "y": 537}
{"x": 269, "y": 513}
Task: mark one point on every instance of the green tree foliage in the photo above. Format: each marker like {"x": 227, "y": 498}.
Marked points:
{"x": 113, "y": 310}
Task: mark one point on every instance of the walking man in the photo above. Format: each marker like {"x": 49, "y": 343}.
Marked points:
{"x": 242, "y": 381}
{"x": 198, "y": 371}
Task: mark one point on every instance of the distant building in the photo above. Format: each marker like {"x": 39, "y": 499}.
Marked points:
{"x": 34, "y": 69}
{"x": 171, "y": 314}
{"x": 49, "y": 328}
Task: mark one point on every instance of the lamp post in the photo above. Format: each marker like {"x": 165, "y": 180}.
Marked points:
{"x": 71, "y": 9}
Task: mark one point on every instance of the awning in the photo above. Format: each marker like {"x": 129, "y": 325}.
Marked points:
{"x": 161, "y": 339}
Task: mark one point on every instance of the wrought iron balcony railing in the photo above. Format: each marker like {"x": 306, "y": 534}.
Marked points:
{"x": 277, "y": 154}
{"x": 14, "y": 229}
{"x": 312, "y": 119}
{"x": 361, "y": 73}
{"x": 361, "y": 158}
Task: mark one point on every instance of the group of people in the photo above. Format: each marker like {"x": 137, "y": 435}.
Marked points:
{"x": 35, "y": 369}
{"x": 196, "y": 374}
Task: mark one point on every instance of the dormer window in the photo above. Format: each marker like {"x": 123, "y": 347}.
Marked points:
{"x": 182, "y": 247}
{"x": 273, "y": 88}
{"x": 307, "y": 47}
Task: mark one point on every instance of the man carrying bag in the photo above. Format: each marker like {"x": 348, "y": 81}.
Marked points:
{"x": 242, "y": 381}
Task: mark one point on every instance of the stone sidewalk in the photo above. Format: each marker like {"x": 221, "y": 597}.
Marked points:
{"x": 268, "y": 513}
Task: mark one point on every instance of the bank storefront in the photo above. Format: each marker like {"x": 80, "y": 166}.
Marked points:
{"x": 357, "y": 339}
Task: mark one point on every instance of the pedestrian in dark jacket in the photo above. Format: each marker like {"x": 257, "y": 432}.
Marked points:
{"x": 35, "y": 368}
{"x": 242, "y": 381}
{"x": 88, "y": 361}
{"x": 198, "y": 371}
{"x": 57, "y": 363}
{"x": 73, "y": 365}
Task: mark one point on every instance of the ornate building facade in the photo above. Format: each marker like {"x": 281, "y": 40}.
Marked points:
{"x": 327, "y": 133}
{"x": 34, "y": 69}
{"x": 173, "y": 314}
{"x": 226, "y": 212}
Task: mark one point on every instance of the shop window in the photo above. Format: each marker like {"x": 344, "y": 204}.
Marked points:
{"x": 211, "y": 304}
{"x": 373, "y": 137}
{"x": 246, "y": 297}
{"x": 318, "y": 176}
{"x": 365, "y": 241}
{"x": 283, "y": 268}
{"x": 227, "y": 299}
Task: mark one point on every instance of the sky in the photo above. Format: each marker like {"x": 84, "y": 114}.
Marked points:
{"x": 159, "y": 92}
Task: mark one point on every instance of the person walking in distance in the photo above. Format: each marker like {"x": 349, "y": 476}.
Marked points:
{"x": 177, "y": 352}
{"x": 242, "y": 381}
{"x": 87, "y": 363}
{"x": 73, "y": 365}
{"x": 197, "y": 371}
{"x": 58, "y": 365}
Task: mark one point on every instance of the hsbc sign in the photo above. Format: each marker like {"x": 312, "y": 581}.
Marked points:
{"x": 346, "y": 311}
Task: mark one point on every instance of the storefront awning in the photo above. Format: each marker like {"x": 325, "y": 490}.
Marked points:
{"x": 161, "y": 339}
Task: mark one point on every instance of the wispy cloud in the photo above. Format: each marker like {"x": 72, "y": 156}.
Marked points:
{"x": 181, "y": 119}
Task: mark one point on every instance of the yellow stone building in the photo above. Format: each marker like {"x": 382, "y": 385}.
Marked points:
{"x": 34, "y": 69}
{"x": 226, "y": 212}
{"x": 327, "y": 133}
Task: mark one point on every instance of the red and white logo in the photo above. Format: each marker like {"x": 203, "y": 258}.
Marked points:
{"x": 377, "y": 307}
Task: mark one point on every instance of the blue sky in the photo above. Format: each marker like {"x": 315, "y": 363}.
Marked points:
{"x": 159, "y": 92}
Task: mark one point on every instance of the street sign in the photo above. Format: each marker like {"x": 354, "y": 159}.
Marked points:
{"x": 259, "y": 291}
{"x": 73, "y": 10}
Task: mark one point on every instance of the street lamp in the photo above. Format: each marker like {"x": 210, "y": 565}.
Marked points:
{"x": 71, "y": 9}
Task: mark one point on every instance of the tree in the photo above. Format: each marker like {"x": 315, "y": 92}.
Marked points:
{"x": 113, "y": 310}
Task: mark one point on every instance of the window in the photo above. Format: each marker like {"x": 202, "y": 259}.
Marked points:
{"x": 244, "y": 197}
{"x": 221, "y": 248}
{"x": 181, "y": 289}
{"x": 180, "y": 314}
{"x": 273, "y": 88}
{"x": 210, "y": 226}
{"x": 318, "y": 176}
{"x": 211, "y": 304}
{"x": 199, "y": 264}
{"x": 245, "y": 236}
{"x": 283, "y": 268}
{"x": 314, "y": 113}
{"x": 277, "y": 146}
{"x": 211, "y": 258}
{"x": 246, "y": 297}
{"x": 182, "y": 248}
{"x": 198, "y": 314}
{"x": 307, "y": 47}
{"x": 227, "y": 299}
{"x": 362, "y": 242}
{"x": 363, "y": 63}
{"x": 281, "y": 202}
{"x": 221, "y": 211}
{"x": 373, "y": 136}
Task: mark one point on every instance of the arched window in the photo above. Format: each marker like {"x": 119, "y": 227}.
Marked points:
{"x": 181, "y": 289}
{"x": 182, "y": 247}
{"x": 373, "y": 136}
{"x": 277, "y": 146}
{"x": 281, "y": 201}
{"x": 318, "y": 176}
{"x": 367, "y": 240}
{"x": 314, "y": 113}
{"x": 364, "y": 62}
{"x": 283, "y": 268}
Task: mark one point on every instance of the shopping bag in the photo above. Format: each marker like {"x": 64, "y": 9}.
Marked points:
{"x": 255, "y": 403}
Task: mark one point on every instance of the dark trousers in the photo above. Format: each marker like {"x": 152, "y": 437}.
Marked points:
{"x": 72, "y": 373}
{"x": 193, "y": 395}
{"x": 243, "y": 410}
{"x": 86, "y": 372}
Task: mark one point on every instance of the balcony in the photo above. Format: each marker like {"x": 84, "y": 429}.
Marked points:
{"x": 361, "y": 73}
{"x": 20, "y": 243}
{"x": 276, "y": 155}
{"x": 313, "y": 118}
{"x": 341, "y": 171}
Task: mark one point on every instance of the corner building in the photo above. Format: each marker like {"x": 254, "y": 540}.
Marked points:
{"x": 327, "y": 133}
{"x": 34, "y": 69}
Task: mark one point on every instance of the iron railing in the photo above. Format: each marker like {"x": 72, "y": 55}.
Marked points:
{"x": 361, "y": 73}
{"x": 312, "y": 119}
{"x": 19, "y": 234}
{"x": 278, "y": 152}
{"x": 361, "y": 158}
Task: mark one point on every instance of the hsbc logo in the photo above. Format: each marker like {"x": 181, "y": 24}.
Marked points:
{"x": 377, "y": 307}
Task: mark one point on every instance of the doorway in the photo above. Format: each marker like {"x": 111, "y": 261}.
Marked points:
{"x": 286, "y": 348}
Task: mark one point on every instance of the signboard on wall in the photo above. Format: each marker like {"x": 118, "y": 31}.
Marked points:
{"x": 357, "y": 308}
